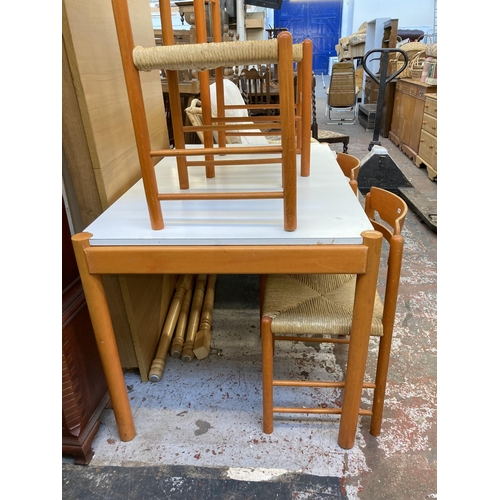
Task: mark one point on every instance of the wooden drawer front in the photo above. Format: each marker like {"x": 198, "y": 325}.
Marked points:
{"x": 429, "y": 124}
{"x": 428, "y": 148}
{"x": 412, "y": 89}
{"x": 431, "y": 107}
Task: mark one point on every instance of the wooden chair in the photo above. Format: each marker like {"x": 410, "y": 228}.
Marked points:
{"x": 350, "y": 166}
{"x": 255, "y": 87}
{"x": 203, "y": 57}
{"x": 318, "y": 308}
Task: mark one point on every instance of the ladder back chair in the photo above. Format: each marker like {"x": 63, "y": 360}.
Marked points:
{"x": 265, "y": 115}
{"x": 203, "y": 57}
{"x": 302, "y": 56}
{"x": 318, "y": 308}
{"x": 255, "y": 87}
{"x": 232, "y": 95}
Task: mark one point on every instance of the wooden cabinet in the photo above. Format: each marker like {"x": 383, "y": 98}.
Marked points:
{"x": 427, "y": 152}
{"x": 407, "y": 115}
{"x": 84, "y": 389}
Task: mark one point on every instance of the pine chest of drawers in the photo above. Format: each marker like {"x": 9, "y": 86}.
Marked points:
{"x": 427, "y": 151}
{"x": 407, "y": 115}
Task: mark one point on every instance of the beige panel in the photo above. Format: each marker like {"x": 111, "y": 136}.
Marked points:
{"x": 146, "y": 322}
{"x": 99, "y": 144}
{"x": 81, "y": 175}
{"x": 98, "y": 76}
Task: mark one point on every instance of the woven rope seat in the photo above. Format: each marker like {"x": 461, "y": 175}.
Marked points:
{"x": 332, "y": 137}
{"x": 204, "y": 56}
{"x": 314, "y": 304}
{"x": 329, "y": 134}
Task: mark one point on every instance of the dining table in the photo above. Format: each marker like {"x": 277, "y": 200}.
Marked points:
{"x": 236, "y": 236}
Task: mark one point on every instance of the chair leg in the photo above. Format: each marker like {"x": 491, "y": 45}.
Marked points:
{"x": 267, "y": 374}
{"x": 262, "y": 289}
{"x": 384, "y": 353}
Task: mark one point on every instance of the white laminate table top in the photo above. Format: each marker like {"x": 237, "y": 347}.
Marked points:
{"x": 328, "y": 212}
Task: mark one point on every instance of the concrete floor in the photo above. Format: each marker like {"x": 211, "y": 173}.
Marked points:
{"x": 199, "y": 430}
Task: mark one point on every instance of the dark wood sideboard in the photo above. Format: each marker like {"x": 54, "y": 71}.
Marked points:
{"x": 84, "y": 389}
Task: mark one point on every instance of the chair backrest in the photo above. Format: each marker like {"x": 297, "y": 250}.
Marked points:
{"x": 342, "y": 90}
{"x": 255, "y": 86}
{"x": 391, "y": 210}
{"x": 350, "y": 167}
{"x": 261, "y": 54}
{"x": 387, "y": 213}
{"x": 232, "y": 96}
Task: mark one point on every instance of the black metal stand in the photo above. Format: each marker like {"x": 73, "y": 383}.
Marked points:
{"x": 378, "y": 168}
{"x": 382, "y": 82}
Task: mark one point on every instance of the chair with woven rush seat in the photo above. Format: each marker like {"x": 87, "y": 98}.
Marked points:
{"x": 318, "y": 308}
{"x": 203, "y": 57}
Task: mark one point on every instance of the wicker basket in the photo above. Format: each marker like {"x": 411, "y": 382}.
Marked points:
{"x": 416, "y": 65}
{"x": 412, "y": 49}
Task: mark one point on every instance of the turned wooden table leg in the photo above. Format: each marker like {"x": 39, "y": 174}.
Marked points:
{"x": 360, "y": 336}
{"x": 105, "y": 338}
{"x": 180, "y": 330}
{"x": 184, "y": 283}
{"x": 203, "y": 337}
{"x": 194, "y": 317}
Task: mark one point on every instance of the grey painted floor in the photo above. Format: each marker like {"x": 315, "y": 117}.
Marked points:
{"x": 199, "y": 430}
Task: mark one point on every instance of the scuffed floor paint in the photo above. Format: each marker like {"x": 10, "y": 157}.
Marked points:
{"x": 222, "y": 396}
{"x": 255, "y": 474}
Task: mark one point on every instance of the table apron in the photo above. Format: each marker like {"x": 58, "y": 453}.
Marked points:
{"x": 269, "y": 259}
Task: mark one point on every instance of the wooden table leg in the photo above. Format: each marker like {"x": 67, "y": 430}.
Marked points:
{"x": 360, "y": 336}
{"x": 105, "y": 338}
